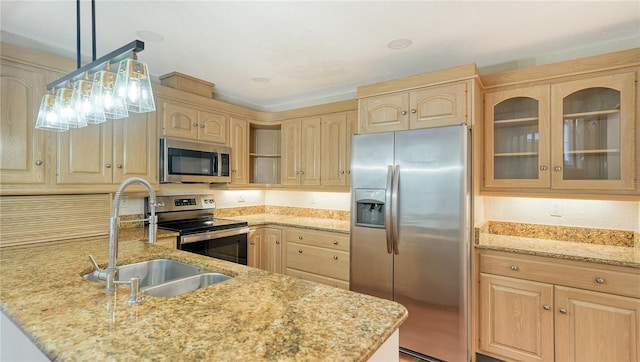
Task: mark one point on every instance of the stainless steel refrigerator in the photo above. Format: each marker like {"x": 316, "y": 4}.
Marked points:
{"x": 410, "y": 233}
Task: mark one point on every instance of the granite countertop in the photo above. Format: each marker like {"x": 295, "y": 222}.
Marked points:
{"x": 613, "y": 247}
{"x": 339, "y": 226}
{"x": 255, "y": 316}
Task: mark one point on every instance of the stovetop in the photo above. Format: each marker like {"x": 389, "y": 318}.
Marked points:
{"x": 192, "y": 226}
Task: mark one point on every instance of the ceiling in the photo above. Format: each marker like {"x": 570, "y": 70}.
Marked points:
{"x": 274, "y": 56}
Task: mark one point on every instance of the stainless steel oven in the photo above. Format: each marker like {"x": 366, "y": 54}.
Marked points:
{"x": 192, "y": 216}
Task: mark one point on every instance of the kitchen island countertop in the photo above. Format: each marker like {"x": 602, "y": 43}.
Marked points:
{"x": 255, "y": 316}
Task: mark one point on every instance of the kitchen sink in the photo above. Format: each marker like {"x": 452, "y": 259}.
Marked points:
{"x": 152, "y": 272}
{"x": 165, "y": 277}
{"x": 185, "y": 285}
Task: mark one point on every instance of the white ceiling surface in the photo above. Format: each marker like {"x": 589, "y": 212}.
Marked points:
{"x": 318, "y": 52}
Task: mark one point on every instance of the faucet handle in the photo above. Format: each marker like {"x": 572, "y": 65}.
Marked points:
{"x": 99, "y": 273}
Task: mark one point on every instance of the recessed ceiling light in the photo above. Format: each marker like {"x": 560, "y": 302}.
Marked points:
{"x": 399, "y": 44}
{"x": 150, "y": 36}
{"x": 261, "y": 79}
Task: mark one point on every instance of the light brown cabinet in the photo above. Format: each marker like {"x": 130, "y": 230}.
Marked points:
{"x": 183, "y": 121}
{"x": 570, "y": 135}
{"x": 335, "y": 149}
{"x": 265, "y": 249}
{"x": 239, "y": 142}
{"x": 434, "y": 106}
{"x": 264, "y": 154}
{"x": 301, "y": 151}
{"x": 543, "y": 309}
{"x": 318, "y": 256}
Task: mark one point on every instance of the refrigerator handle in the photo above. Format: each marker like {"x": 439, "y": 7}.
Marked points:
{"x": 394, "y": 210}
{"x": 387, "y": 208}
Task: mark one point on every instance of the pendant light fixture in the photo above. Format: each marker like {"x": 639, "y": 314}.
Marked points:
{"x": 94, "y": 93}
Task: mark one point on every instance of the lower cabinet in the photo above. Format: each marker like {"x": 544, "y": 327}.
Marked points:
{"x": 264, "y": 249}
{"x": 319, "y": 256}
{"x": 543, "y": 309}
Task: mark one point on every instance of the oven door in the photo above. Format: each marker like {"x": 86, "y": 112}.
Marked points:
{"x": 229, "y": 244}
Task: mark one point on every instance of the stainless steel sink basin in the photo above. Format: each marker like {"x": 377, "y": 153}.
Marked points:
{"x": 165, "y": 277}
{"x": 152, "y": 272}
{"x": 185, "y": 285}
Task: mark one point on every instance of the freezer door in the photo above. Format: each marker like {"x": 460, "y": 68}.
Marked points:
{"x": 371, "y": 264}
{"x": 430, "y": 268}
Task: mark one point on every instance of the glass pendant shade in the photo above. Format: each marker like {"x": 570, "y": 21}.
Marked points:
{"x": 47, "y": 117}
{"x": 65, "y": 110}
{"x": 134, "y": 86}
{"x": 104, "y": 97}
{"x": 81, "y": 101}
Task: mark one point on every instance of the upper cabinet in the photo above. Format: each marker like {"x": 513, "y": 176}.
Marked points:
{"x": 183, "y": 121}
{"x": 572, "y": 135}
{"x": 301, "y": 151}
{"x": 434, "y": 99}
{"x": 239, "y": 142}
{"x": 335, "y": 149}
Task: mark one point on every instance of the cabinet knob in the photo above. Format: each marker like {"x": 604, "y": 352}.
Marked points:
{"x": 234, "y": 171}
{"x": 302, "y": 172}
{"x": 514, "y": 267}
{"x": 300, "y": 251}
{"x": 202, "y": 126}
{"x": 546, "y": 307}
{"x": 297, "y": 172}
{"x": 342, "y": 172}
{"x": 278, "y": 242}
{"x": 404, "y": 113}
{"x": 335, "y": 242}
{"x": 108, "y": 165}
{"x": 119, "y": 166}
{"x": 300, "y": 237}
{"x": 348, "y": 172}
{"x": 335, "y": 257}
{"x": 543, "y": 168}
{"x": 413, "y": 111}
{"x": 38, "y": 162}
{"x": 195, "y": 125}
{"x": 557, "y": 168}
{"x": 600, "y": 280}
{"x": 251, "y": 242}
{"x": 563, "y": 311}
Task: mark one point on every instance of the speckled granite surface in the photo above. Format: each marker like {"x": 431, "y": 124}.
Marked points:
{"x": 339, "y": 226}
{"x": 285, "y": 211}
{"x": 255, "y": 316}
{"x": 614, "y": 247}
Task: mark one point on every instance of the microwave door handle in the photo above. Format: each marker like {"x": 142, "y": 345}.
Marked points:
{"x": 387, "y": 208}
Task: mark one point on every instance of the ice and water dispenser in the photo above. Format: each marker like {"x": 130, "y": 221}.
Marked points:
{"x": 370, "y": 207}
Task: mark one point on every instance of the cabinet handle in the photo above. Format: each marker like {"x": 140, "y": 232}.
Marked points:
{"x": 335, "y": 257}
{"x": 108, "y": 165}
{"x": 404, "y": 113}
{"x": 413, "y": 111}
{"x": 195, "y": 125}
{"x": 563, "y": 311}
{"x": 600, "y": 280}
{"x": 557, "y": 168}
{"x": 119, "y": 166}
{"x": 543, "y": 168}
{"x": 38, "y": 162}
{"x": 514, "y": 267}
{"x": 546, "y": 307}
{"x": 300, "y": 251}
{"x": 300, "y": 237}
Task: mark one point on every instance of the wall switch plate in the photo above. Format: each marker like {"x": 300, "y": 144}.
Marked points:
{"x": 556, "y": 208}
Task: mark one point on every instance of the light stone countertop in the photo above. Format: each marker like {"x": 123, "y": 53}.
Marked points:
{"x": 255, "y": 316}
{"x": 339, "y": 226}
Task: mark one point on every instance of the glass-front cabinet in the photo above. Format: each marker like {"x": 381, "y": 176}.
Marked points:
{"x": 575, "y": 135}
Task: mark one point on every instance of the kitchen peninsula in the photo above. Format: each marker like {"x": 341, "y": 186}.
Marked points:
{"x": 254, "y": 316}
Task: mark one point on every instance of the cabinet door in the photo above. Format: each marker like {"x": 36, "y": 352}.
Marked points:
{"x": 593, "y": 326}
{"x": 594, "y": 123}
{"x": 310, "y": 151}
{"x": 254, "y": 242}
{"x": 273, "y": 250}
{"x": 85, "y": 155}
{"x": 516, "y": 318}
{"x": 290, "y": 160}
{"x": 22, "y": 147}
{"x": 334, "y": 149}
{"x": 213, "y": 127}
{"x": 384, "y": 113}
{"x": 135, "y": 148}
{"x": 239, "y": 142}
{"x": 352, "y": 128}
{"x": 179, "y": 121}
{"x": 517, "y": 138}
{"x": 444, "y": 105}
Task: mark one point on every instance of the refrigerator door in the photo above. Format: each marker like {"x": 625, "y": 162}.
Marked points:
{"x": 371, "y": 264}
{"x": 430, "y": 268}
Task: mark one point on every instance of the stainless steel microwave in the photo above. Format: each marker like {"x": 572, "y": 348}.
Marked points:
{"x": 193, "y": 162}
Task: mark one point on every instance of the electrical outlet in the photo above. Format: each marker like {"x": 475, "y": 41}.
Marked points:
{"x": 556, "y": 208}
{"x": 124, "y": 202}
{"x": 241, "y": 198}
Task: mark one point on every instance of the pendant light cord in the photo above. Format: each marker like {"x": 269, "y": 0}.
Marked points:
{"x": 79, "y": 62}
{"x": 93, "y": 28}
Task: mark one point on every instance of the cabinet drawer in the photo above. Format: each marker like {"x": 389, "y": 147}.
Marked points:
{"x": 321, "y": 239}
{"x": 596, "y": 277}
{"x": 318, "y": 279}
{"x": 311, "y": 259}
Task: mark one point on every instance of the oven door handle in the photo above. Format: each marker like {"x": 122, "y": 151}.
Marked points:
{"x": 186, "y": 239}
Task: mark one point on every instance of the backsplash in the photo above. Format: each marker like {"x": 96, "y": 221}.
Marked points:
{"x": 284, "y": 210}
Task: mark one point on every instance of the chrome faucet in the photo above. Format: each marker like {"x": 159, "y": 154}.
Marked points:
{"x": 110, "y": 273}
